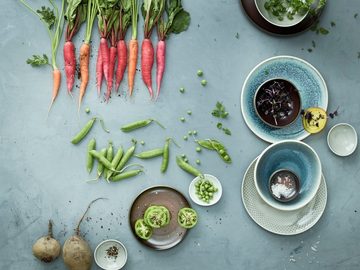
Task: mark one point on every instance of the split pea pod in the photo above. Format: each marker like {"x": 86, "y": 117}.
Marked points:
{"x": 140, "y": 124}
{"x": 128, "y": 154}
{"x": 102, "y": 159}
{"x": 100, "y": 168}
{"x": 151, "y": 153}
{"x": 187, "y": 167}
{"x": 125, "y": 175}
{"x": 109, "y": 156}
{"x": 84, "y": 131}
{"x": 90, "y": 158}
{"x": 115, "y": 161}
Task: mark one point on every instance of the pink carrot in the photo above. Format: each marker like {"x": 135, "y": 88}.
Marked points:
{"x": 99, "y": 72}
{"x": 147, "y": 61}
{"x": 122, "y": 61}
{"x": 112, "y": 60}
{"x": 70, "y": 64}
{"x": 160, "y": 64}
{"x": 104, "y": 50}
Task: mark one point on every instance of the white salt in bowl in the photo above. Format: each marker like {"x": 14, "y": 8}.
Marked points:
{"x": 342, "y": 139}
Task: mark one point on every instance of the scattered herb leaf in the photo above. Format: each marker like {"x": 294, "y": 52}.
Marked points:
{"x": 333, "y": 24}
{"x": 219, "y": 125}
{"x": 47, "y": 15}
{"x": 220, "y": 111}
{"x": 38, "y": 60}
{"x": 323, "y": 31}
{"x": 227, "y": 131}
{"x": 334, "y": 113}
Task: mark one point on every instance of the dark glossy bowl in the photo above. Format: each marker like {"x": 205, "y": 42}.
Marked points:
{"x": 289, "y": 116}
{"x": 285, "y": 178}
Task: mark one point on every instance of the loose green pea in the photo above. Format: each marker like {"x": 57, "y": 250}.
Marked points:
{"x": 194, "y": 132}
{"x": 87, "y": 110}
{"x": 183, "y": 156}
{"x": 189, "y": 132}
{"x": 203, "y": 82}
{"x": 198, "y": 149}
{"x": 199, "y": 72}
{"x": 185, "y": 138}
{"x": 198, "y": 161}
{"x": 182, "y": 89}
{"x": 142, "y": 142}
{"x": 189, "y": 112}
{"x": 182, "y": 119}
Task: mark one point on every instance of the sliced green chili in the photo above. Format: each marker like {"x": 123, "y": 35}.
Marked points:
{"x": 150, "y": 153}
{"x": 140, "y": 124}
{"x": 187, "y": 218}
{"x": 90, "y": 158}
{"x": 142, "y": 230}
{"x": 187, "y": 167}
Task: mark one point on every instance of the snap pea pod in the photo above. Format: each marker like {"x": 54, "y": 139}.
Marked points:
{"x": 109, "y": 156}
{"x": 125, "y": 175}
{"x": 102, "y": 159}
{"x": 115, "y": 161}
{"x": 128, "y": 154}
{"x": 139, "y": 124}
{"x": 187, "y": 167}
{"x": 100, "y": 168}
{"x": 84, "y": 131}
{"x": 151, "y": 153}
{"x": 165, "y": 160}
{"x": 90, "y": 158}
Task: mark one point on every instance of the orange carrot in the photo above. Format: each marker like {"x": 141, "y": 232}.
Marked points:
{"x": 84, "y": 70}
{"x": 133, "y": 53}
{"x": 147, "y": 61}
{"x": 122, "y": 61}
{"x": 56, "y": 86}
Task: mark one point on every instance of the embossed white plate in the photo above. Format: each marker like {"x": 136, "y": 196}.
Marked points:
{"x": 277, "y": 221}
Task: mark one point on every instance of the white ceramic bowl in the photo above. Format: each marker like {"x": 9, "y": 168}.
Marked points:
{"x": 217, "y": 195}
{"x": 104, "y": 261}
{"x": 342, "y": 139}
{"x": 286, "y": 22}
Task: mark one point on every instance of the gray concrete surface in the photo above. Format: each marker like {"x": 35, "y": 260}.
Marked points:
{"x": 43, "y": 175}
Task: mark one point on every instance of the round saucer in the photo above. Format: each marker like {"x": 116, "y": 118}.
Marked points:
{"x": 277, "y": 221}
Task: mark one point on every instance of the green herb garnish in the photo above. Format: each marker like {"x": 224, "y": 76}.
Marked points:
{"x": 220, "y": 111}
{"x": 38, "y": 60}
{"x": 47, "y": 15}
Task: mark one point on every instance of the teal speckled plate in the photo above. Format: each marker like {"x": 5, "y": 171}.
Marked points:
{"x": 305, "y": 77}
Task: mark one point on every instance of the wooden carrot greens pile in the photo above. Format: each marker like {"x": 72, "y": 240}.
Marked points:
{"x": 114, "y": 19}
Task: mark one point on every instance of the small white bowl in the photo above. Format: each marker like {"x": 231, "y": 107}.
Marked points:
{"x": 342, "y": 139}
{"x": 217, "y": 195}
{"x": 106, "y": 262}
{"x": 274, "y": 20}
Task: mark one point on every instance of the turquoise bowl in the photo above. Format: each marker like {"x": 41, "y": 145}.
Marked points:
{"x": 297, "y": 157}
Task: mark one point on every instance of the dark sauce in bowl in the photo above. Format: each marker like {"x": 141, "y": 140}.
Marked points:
{"x": 277, "y": 103}
{"x": 284, "y": 185}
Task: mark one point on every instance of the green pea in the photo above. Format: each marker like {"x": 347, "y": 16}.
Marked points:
{"x": 203, "y": 82}
{"x": 183, "y": 156}
{"x": 199, "y": 72}
{"x": 190, "y": 132}
{"x": 87, "y": 110}
{"x": 182, "y": 119}
{"x": 142, "y": 142}
{"x": 194, "y": 132}
{"x": 198, "y": 149}
{"x": 182, "y": 89}
{"x": 189, "y": 112}
{"x": 185, "y": 138}
{"x": 198, "y": 161}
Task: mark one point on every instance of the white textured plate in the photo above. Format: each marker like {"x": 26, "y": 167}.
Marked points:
{"x": 277, "y": 221}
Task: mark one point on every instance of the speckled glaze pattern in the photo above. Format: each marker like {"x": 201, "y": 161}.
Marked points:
{"x": 277, "y": 221}
{"x": 309, "y": 82}
{"x": 296, "y": 157}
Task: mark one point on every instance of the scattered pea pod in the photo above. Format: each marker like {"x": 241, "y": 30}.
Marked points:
{"x": 129, "y": 153}
{"x": 102, "y": 159}
{"x": 115, "y": 161}
{"x": 166, "y": 154}
{"x": 187, "y": 167}
{"x": 125, "y": 175}
{"x": 86, "y": 129}
{"x": 109, "y": 157}
{"x": 100, "y": 168}
{"x": 90, "y": 158}
{"x": 217, "y": 146}
{"x": 151, "y": 153}
{"x": 139, "y": 124}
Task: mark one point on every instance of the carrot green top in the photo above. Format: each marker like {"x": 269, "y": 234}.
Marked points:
{"x": 54, "y": 23}
{"x": 134, "y": 18}
{"x": 75, "y": 15}
{"x": 152, "y": 11}
{"x": 91, "y": 14}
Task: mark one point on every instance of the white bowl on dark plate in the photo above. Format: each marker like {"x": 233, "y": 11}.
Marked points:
{"x": 286, "y": 22}
{"x": 342, "y": 139}
{"x": 110, "y": 262}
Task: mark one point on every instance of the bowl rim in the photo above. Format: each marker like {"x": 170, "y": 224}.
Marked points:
{"x": 312, "y": 192}
{"x": 102, "y": 243}
{"x": 258, "y": 114}
{"x": 276, "y": 24}
{"x": 354, "y": 132}
{"x": 198, "y": 201}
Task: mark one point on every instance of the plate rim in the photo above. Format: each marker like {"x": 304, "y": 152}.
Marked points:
{"x": 144, "y": 242}
{"x": 273, "y": 231}
{"x": 270, "y": 138}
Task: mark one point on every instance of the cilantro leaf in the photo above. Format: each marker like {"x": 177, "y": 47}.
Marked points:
{"x": 227, "y": 131}
{"x": 38, "y": 60}
{"x": 220, "y": 111}
{"x": 47, "y": 15}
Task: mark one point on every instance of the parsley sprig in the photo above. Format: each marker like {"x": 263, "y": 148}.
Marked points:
{"x": 220, "y": 112}
{"x": 38, "y": 60}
